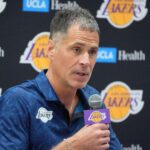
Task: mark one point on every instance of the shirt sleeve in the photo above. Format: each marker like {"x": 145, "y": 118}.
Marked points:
{"x": 14, "y": 124}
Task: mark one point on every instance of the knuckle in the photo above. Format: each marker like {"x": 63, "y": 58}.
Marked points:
{"x": 108, "y": 133}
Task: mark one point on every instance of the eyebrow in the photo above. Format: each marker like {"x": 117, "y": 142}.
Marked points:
{"x": 78, "y": 43}
{"x": 82, "y": 44}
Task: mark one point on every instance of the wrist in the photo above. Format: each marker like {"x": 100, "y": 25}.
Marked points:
{"x": 68, "y": 144}
{"x": 73, "y": 143}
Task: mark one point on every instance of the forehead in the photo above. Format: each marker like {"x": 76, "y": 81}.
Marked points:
{"x": 76, "y": 34}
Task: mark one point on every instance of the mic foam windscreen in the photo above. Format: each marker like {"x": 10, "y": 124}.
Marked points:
{"x": 95, "y": 101}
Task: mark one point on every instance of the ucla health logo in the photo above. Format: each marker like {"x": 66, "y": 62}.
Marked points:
{"x": 59, "y": 5}
{"x": 36, "y": 5}
{"x": 121, "y": 13}
{"x": 36, "y": 52}
{"x": 107, "y": 55}
{"x": 122, "y": 101}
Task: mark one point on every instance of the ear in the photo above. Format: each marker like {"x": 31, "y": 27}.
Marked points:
{"x": 50, "y": 49}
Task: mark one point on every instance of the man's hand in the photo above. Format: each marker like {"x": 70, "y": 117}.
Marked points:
{"x": 92, "y": 137}
{"x": 95, "y": 137}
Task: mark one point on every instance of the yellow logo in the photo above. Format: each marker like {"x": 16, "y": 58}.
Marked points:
{"x": 121, "y": 13}
{"x": 95, "y": 117}
{"x": 122, "y": 101}
{"x": 36, "y": 52}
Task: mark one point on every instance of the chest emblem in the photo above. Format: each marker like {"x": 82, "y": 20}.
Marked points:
{"x": 44, "y": 115}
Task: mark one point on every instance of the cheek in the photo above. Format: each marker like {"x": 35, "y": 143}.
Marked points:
{"x": 62, "y": 63}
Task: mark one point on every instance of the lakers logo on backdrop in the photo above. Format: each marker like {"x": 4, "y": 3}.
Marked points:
{"x": 36, "y": 52}
{"x": 121, "y": 13}
{"x": 122, "y": 101}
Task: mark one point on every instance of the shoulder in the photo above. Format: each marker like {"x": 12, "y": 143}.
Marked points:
{"x": 19, "y": 93}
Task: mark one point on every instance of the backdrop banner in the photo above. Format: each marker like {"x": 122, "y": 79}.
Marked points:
{"x": 122, "y": 71}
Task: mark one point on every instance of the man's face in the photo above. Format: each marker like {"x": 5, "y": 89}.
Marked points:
{"x": 74, "y": 56}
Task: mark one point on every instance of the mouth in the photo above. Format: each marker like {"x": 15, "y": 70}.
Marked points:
{"x": 82, "y": 74}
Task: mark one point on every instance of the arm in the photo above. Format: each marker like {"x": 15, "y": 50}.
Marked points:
{"x": 13, "y": 124}
{"x": 95, "y": 137}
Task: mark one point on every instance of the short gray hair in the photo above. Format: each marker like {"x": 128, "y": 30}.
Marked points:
{"x": 75, "y": 15}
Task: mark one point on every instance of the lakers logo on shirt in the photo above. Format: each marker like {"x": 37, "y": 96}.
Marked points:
{"x": 121, "y": 13}
{"x": 44, "y": 115}
{"x": 122, "y": 101}
{"x": 36, "y": 52}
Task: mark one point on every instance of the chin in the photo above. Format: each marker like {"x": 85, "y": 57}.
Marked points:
{"x": 79, "y": 85}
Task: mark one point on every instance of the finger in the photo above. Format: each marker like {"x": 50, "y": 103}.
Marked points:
{"x": 105, "y": 146}
{"x": 101, "y": 126}
{"x": 105, "y": 140}
{"x": 104, "y": 133}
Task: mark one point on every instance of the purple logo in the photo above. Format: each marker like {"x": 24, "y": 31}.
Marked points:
{"x": 96, "y": 116}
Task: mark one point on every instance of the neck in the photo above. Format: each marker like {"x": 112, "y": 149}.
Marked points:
{"x": 66, "y": 94}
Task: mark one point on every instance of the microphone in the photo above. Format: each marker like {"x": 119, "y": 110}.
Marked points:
{"x": 95, "y": 101}
{"x": 96, "y": 114}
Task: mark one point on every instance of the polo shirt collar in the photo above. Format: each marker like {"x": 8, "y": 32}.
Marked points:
{"x": 47, "y": 90}
{"x": 45, "y": 87}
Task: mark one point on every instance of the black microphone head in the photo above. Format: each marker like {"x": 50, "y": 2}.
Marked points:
{"x": 95, "y": 101}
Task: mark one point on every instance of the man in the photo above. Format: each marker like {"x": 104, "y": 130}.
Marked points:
{"x": 45, "y": 113}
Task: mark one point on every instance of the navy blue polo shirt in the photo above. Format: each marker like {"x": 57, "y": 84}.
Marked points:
{"x": 33, "y": 118}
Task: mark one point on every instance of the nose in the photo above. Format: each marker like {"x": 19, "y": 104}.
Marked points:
{"x": 84, "y": 59}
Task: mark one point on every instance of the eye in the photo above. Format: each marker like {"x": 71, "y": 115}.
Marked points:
{"x": 76, "y": 50}
{"x": 93, "y": 52}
